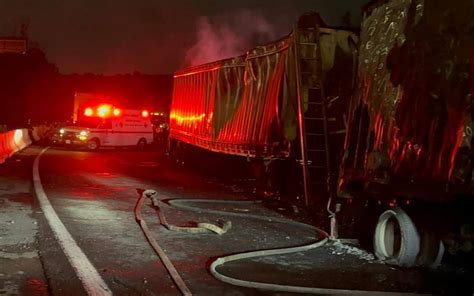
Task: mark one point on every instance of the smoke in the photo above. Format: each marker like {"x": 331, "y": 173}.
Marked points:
{"x": 228, "y": 36}
{"x": 151, "y": 36}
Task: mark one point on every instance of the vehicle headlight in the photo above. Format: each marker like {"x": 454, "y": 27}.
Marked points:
{"x": 62, "y": 131}
{"x": 82, "y": 135}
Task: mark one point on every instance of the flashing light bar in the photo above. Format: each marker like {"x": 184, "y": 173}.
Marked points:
{"x": 88, "y": 112}
{"x": 104, "y": 111}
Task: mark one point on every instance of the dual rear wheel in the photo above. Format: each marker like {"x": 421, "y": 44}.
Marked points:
{"x": 397, "y": 241}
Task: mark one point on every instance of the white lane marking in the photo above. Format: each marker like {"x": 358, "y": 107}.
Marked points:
{"x": 85, "y": 271}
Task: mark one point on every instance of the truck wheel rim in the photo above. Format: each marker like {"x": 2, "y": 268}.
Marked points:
{"x": 390, "y": 238}
{"x": 396, "y": 239}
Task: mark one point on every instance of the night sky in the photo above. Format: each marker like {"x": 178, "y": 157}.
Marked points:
{"x": 156, "y": 37}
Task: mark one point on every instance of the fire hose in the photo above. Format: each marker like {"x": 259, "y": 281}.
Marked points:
{"x": 206, "y": 227}
{"x": 159, "y": 251}
{"x": 201, "y": 227}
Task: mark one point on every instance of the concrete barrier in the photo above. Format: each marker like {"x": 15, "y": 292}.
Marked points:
{"x": 12, "y": 142}
{"x": 3, "y": 148}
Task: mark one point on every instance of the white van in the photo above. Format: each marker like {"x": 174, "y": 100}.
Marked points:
{"x": 129, "y": 128}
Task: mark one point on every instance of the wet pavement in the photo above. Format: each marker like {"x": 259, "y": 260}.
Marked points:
{"x": 21, "y": 270}
{"x": 94, "y": 196}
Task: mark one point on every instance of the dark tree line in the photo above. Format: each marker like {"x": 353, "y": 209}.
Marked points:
{"x": 32, "y": 88}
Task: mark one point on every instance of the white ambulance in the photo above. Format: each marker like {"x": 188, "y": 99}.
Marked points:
{"x": 107, "y": 126}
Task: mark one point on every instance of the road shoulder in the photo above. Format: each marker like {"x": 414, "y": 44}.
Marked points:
{"x": 22, "y": 270}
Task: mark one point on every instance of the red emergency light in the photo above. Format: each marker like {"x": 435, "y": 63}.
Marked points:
{"x": 145, "y": 113}
{"x": 104, "y": 111}
{"x": 88, "y": 112}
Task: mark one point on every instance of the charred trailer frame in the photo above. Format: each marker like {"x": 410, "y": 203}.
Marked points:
{"x": 408, "y": 158}
{"x": 259, "y": 105}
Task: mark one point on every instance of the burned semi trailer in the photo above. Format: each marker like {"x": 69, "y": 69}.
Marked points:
{"x": 408, "y": 158}
{"x": 284, "y": 100}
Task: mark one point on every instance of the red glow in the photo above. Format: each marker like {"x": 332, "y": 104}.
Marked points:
{"x": 198, "y": 93}
{"x": 393, "y": 203}
{"x": 117, "y": 112}
{"x": 88, "y": 112}
{"x": 188, "y": 119}
{"x": 145, "y": 113}
{"x": 103, "y": 110}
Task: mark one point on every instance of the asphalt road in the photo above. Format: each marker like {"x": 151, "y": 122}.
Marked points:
{"x": 94, "y": 195}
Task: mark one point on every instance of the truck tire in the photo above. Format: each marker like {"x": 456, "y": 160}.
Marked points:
{"x": 431, "y": 250}
{"x": 169, "y": 151}
{"x": 93, "y": 144}
{"x": 179, "y": 152}
{"x": 396, "y": 240}
{"x": 141, "y": 145}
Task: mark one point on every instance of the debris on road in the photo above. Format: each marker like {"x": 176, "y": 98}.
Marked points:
{"x": 338, "y": 248}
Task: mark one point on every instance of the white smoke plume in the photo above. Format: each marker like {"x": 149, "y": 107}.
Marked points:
{"x": 228, "y": 36}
